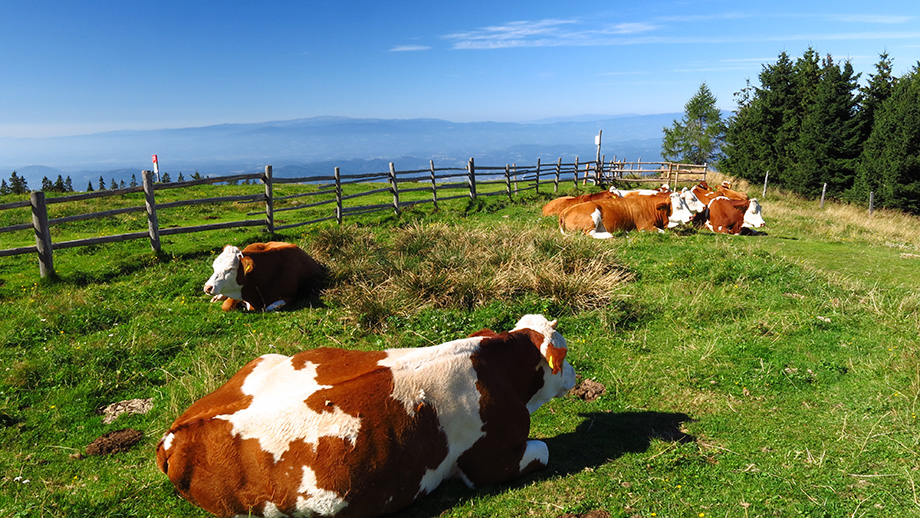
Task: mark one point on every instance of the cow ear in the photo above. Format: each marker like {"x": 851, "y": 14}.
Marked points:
{"x": 246, "y": 263}
{"x": 555, "y": 356}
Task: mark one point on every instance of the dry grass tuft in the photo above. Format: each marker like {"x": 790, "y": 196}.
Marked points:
{"x": 436, "y": 265}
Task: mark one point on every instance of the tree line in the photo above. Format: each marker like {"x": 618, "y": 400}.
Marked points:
{"x": 18, "y": 185}
{"x": 809, "y": 123}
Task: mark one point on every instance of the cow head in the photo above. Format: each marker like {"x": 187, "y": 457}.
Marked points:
{"x": 227, "y": 277}
{"x": 680, "y": 213}
{"x": 753, "y": 217}
{"x": 693, "y": 203}
{"x": 558, "y": 374}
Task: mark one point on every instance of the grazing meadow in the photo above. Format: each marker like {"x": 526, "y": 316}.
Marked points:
{"x": 751, "y": 376}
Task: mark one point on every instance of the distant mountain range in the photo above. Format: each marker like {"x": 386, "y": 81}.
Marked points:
{"x": 314, "y": 146}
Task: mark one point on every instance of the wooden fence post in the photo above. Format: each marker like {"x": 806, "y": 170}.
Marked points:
{"x": 823, "y": 192}
{"x": 575, "y": 173}
{"x": 434, "y": 186}
{"x": 338, "y": 196}
{"x": 42, "y": 233}
{"x": 394, "y": 188}
{"x": 537, "y": 185}
{"x": 153, "y": 226}
{"x": 558, "y": 170}
{"x": 765, "y": 177}
{"x": 471, "y": 168}
{"x": 269, "y": 201}
{"x": 871, "y": 202}
{"x": 508, "y": 181}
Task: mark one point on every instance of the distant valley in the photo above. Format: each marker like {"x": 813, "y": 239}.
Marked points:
{"x": 314, "y": 146}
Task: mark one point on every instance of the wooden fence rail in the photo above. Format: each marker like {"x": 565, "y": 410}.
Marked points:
{"x": 476, "y": 181}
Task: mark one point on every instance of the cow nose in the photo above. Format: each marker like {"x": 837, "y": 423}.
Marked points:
{"x": 208, "y": 289}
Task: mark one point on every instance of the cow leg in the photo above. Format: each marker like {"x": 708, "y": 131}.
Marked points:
{"x": 504, "y": 465}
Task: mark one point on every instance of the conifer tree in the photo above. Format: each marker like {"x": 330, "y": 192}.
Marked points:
{"x": 890, "y": 162}
{"x": 829, "y": 139}
{"x": 697, "y": 138}
{"x": 59, "y": 184}
{"x": 47, "y": 186}
{"x": 4, "y": 188}
{"x": 133, "y": 181}
{"x": 68, "y": 185}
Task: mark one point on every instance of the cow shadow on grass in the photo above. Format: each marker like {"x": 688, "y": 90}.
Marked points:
{"x": 600, "y": 438}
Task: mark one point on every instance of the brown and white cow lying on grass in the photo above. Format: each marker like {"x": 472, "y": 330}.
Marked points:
{"x": 644, "y": 212}
{"x": 560, "y": 204}
{"x": 264, "y": 276}
{"x": 335, "y": 432}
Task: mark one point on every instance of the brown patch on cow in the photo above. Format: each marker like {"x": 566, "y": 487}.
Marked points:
{"x": 511, "y": 369}
{"x": 588, "y": 390}
{"x": 597, "y": 513}
{"x": 114, "y": 442}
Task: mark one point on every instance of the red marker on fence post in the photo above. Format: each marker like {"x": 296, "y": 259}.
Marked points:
{"x": 156, "y": 168}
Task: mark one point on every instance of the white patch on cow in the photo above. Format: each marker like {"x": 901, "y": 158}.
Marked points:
{"x": 167, "y": 441}
{"x": 680, "y": 213}
{"x": 442, "y": 376}
{"x": 693, "y": 203}
{"x": 753, "y": 217}
{"x": 535, "y": 451}
{"x": 223, "y": 281}
{"x": 278, "y": 415}
{"x": 597, "y": 217}
{"x": 270, "y": 510}
{"x": 318, "y": 501}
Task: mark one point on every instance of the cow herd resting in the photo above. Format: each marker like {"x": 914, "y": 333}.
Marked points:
{"x": 600, "y": 214}
{"x": 349, "y": 433}
{"x": 336, "y": 432}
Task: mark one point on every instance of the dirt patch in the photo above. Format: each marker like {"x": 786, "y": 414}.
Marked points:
{"x": 115, "y": 442}
{"x": 597, "y": 513}
{"x": 588, "y": 390}
{"x": 129, "y": 406}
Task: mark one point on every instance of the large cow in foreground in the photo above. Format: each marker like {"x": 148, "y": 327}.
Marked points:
{"x": 599, "y": 219}
{"x": 263, "y": 276}
{"x": 335, "y": 432}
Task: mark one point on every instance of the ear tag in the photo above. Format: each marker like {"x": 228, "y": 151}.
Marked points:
{"x": 247, "y": 267}
{"x": 549, "y": 360}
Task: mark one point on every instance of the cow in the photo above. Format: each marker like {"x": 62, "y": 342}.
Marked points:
{"x": 642, "y": 192}
{"x": 728, "y": 216}
{"x": 560, "y": 204}
{"x": 599, "y": 219}
{"x": 263, "y": 276}
{"x": 347, "y": 433}
{"x": 726, "y": 190}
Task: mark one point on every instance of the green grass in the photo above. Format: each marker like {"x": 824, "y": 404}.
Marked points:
{"x": 776, "y": 375}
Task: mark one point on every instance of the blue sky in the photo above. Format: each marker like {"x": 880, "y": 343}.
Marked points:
{"x": 69, "y": 67}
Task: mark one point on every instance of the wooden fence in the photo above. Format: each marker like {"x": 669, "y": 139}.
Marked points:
{"x": 472, "y": 181}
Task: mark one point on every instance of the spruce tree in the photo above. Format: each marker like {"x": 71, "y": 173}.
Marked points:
{"x": 47, "y": 186}
{"x": 829, "y": 139}
{"x": 890, "y": 162}
{"x": 4, "y": 188}
{"x": 698, "y": 137}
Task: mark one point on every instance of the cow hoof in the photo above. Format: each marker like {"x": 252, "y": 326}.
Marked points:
{"x": 275, "y": 306}
{"x": 218, "y": 298}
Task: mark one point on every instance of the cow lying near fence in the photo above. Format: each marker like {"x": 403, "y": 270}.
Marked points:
{"x": 599, "y": 219}
{"x": 337, "y": 432}
{"x": 560, "y": 204}
{"x": 264, "y": 276}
